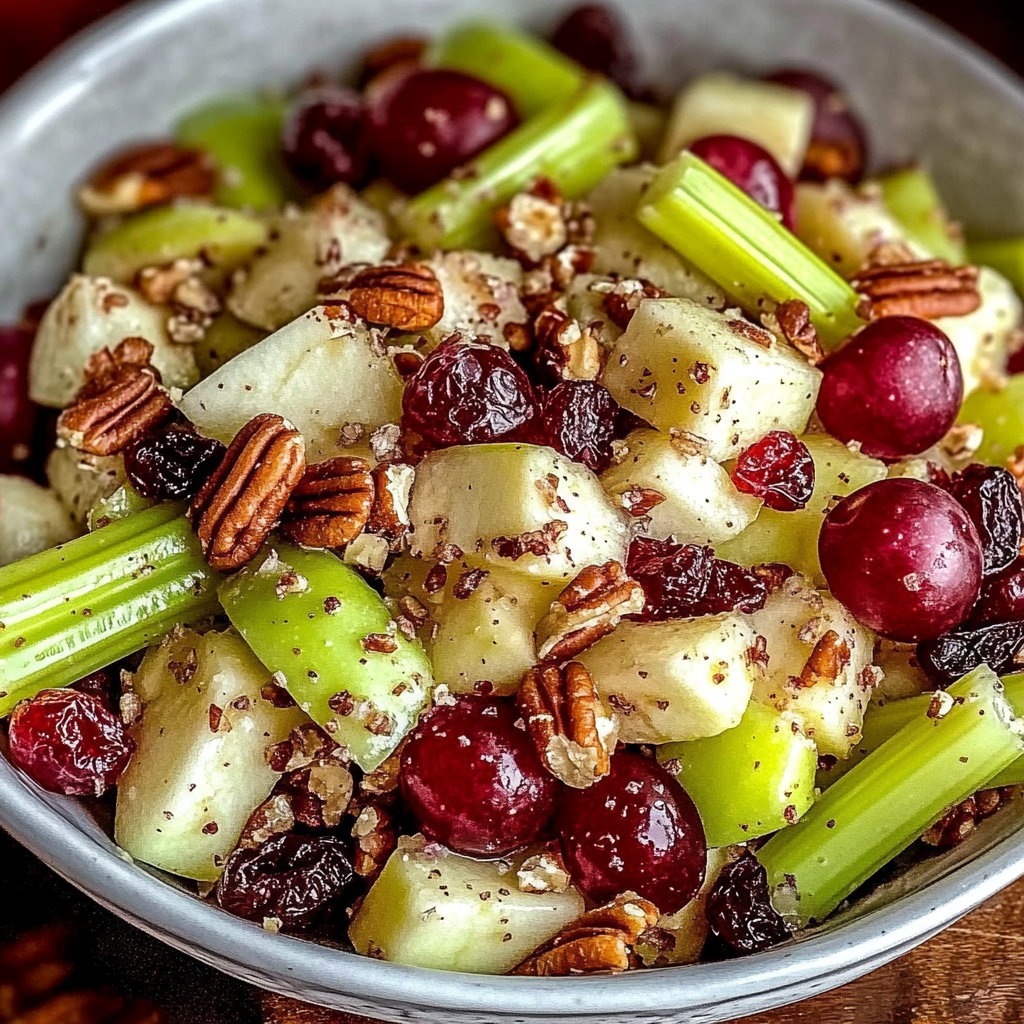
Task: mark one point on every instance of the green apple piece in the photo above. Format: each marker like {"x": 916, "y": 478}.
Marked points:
{"x": 520, "y": 507}
{"x": 124, "y": 502}
{"x": 749, "y": 780}
{"x": 90, "y": 314}
{"x": 200, "y": 769}
{"x": 700, "y": 505}
{"x": 998, "y": 408}
{"x": 649, "y": 122}
{"x": 1005, "y": 255}
{"x": 319, "y": 634}
{"x": 224, "y": 339}
{"x": 431, "y": 908}
{"x": 680, "y": 365}
{"x": 773, "y": 116}
{"x": 81, "y": 481}
{"x": 243, "y": 136}
{"x": 912, "y": 198}
{"x": 679, "y": 680}
{"x": 32, "y": 519}
{"x": 624, "y": 247}
{"x": 221, "y": 237}
{"x": 320, "y": 372}
{"x": 792, "y": 537}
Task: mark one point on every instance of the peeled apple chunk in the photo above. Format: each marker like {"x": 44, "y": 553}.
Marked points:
{"x": 319, "y": 373}
{"x": 314, "y": 620}
{"x": 200, "y": 769}
{"x": 521, "y": 507}
{"x": 81, "y": 480}
{"x": 90, "y": 314}
{"x": 682, "y": 366}
{"x": 431, "y": 908}
{"x": 678, "y": 680}
{"x": 32, "y": 519}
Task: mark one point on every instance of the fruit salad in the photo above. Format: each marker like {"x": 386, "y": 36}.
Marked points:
{"x": 490, "y": 516}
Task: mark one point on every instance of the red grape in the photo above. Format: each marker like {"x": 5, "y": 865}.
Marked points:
{"x": 324, "y": 139}
{"x": 779, "y": 469}
{"x": 593, "y": 35}
{"x": 18, "y": 413}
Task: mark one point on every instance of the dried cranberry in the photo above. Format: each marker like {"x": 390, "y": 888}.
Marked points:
{"x": 18, "y": 413}
{"x": 301, "y": 880}
{"x": 593, "y": 35}
{"x": 635, "y": 829}
{"x": 474, "y": 781}
{"x": 172, "y": 465}
{"x": 993, "y": 501}
{"x": 324, "y": 138}
{"x": 779, "y": 469}
{"x": 954, "y": 654}
{"x": 469, "y": 393}
{"x": 1002, "y": 597}
{"x": 739, "y": 908}
{"x": 68, "y": 742}
{"x": 579, "y": 421}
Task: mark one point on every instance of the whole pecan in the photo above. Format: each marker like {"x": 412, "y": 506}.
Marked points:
{"x": 923, "y": 288}
{"x": 567, "y": 723}
{"x": 406, "y": 296}
{"x": 589, "y": 608}
{"x": 599, "y": 940}
{"x": 239, "y": 505}
{"x": 331, "y": 504}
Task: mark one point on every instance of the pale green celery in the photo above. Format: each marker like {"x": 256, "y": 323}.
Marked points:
{"x": 574, "y": 144}
{"x": 1005, "y": 255}
{"x": 83, "y": 605}
{"x": 884, "y": 803}
{"x": 124, "y": 502}
{"x": 743, "y": 248}
{"x": 533, "y": 74}
{"x": 912, "y": 198}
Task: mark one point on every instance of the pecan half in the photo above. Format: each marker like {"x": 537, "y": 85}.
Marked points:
{"x": 924, "y": 288}
{"x": 146, "y": 175}
{"x": 331, "y": 504}
{"x": 589, "y": 608}
{"x": 406, "y": 296}
{"x": 599, "y": 940}
{"x": 829, "y": 657}
{"x": 239, "y": 505}
{"x": 567, "y": 723}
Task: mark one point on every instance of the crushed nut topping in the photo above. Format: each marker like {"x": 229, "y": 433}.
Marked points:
{"x": 929, "y": 289}
{"x": 541, "y": 543}
{"x": 544, "y": 872}
{"x": 180, "y": 285}
{"x": 392, "y": 490}
{"x": 624, "y": 298}
{"x": 639, "y": 501}
{"x": 375, "y": 832}
{"x": 533, "y": 225}
{"x": 793, "y": 321}
{"x": 405, "y": 296}
{"x": 828, "y": 659}
{"x": 960, "y": 821}
{"x": 331, "y": 504}
{"x": 573, "y": 350}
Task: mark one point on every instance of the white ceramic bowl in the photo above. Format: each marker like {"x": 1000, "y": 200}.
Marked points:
{"x": 925, "y": 93}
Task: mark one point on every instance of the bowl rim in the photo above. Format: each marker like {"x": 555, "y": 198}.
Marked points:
{"x": 212, "y": 935}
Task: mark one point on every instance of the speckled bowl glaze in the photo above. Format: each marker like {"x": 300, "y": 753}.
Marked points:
{"x": 924, "y": 92}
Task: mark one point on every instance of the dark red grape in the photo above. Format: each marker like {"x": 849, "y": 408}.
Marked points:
{"x": 838, "y": 147}
{"x": 172, "y": 465}
{"x": 18, "y": 414}
{"x": 324, "y": 138}
{"x": 432, "y": 121}
{"x": 474, "y": 781}
{"x": 634, "y": 830}
{"x": 751, "y": 168}
{"x": 470, "y": 393}
{"x": 104, "y": 685}
{"x": 579, "y": 420}
{"x": 1002, "y": 597}
{"x": 778, "y": 469}
{"x": 896, "y": 387}
{"x": 739, "y": 907}
{"x": 954, "y": 654}
{"x": 593, "y": 35}
{"x": 69, "y": 742}
{"x": 993, "y": 501}
{"x": 903, "y": 557}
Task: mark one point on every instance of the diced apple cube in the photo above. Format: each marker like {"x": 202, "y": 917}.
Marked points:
{"x": 32, "y": 519}
{"x": 678, "y": 680}
{"x": 224, "y": 339}
{"x": 683, "y": 366}
{"x": 80, "y": 480}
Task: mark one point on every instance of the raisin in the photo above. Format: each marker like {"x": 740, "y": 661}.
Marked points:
{"x": 993, "y": 501}
{"x": 172, "y": 465}
{"x": 961, "y": 651}
{"x": 778, "y": 469}
{"x": 300, "y": 880}
{"x": 1002, "y": 597}
{"x": 739, "y": 908}
{"x": 579, "y": 420}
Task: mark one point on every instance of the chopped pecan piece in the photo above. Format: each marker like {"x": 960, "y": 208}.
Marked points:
{"x": 794, "y": 320}
{"x": 375, "y": 832}
{"x": 392, "y": 489}
{"x": 239, "y": 505}
{"x": 829, "y": 657}
{"x": 638, "y": 501}
{"x": 567, "y": 723}
{"x": 568, "y": 349}
{"x": 588, "y": 609}
{"x": 406, "y": 296}
{"x": 623, "y": 300}
{"x": 960, "y": 821}
{"x": 923, "y": 288}
{"x": 331, "y": 504}
{"x": 598, "y": 941}
{"x": 533, "y": 224}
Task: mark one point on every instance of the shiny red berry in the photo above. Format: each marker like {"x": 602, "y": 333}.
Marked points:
{"x": 579, "y": 420}
{"x": 594, "y": 35}
{"x": 324, "y": 138}
{"x": 778, "y": 469}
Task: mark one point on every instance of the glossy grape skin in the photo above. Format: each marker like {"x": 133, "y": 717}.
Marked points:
{"x": 593, "y": 35}
{"x": 324, "y": 138}
{"x": 903, "y": 557}
{"x": 896, "y": 387}
{"x": 18, "y": 414}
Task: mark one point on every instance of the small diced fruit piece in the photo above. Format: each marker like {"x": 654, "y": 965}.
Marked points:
{"x": 91, "y": 314}
{"x": 32, "y": 519}
{"x": 682, "y": 366}
{"x": 123, "y": 502}
{"x": 317, "y": 372}
{"x": 521, "y": 507}
{"x": 773, "y": 116}
{"x": 316, "y": 621}
{"x": 432, "y": 908}
{"x": 676, "y": 680}
{"x": 224, "y": 339}
{"x": 697, "y": 502}
{"x": 902, "y": 675}
{"x": 792, "y": 537}
{"x": 750, "y": 780}
{"x": 201, "y": 768}
{"x": 81, "y": 480}
{"x": 912, "y": 198}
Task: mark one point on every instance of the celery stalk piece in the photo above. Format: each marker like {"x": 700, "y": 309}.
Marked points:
{"x": 743, "y": 248}
{"x": 83, "y": 605}
{"x": 883, "y": 804}
{"x": 1005, "y": 255}
{"x": 533, "y": 74}
{"x": 912, "y": 198}
{"x": 574, "y": 143}
{"x": 999, "y": 411}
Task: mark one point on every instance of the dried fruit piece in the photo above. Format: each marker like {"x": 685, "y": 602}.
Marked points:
{"x": 954, "y": 654}
{"x": 172, "y": 465}
{"x": 993, "y": 501}
{"x": 739, "y": 908}
{"x": 330, "y": 505}
{"x": 406, "y": 296}
{"x": 594, "y": 35}
{"x": 779, "y": 469}
{"x": 579, "y": 420}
